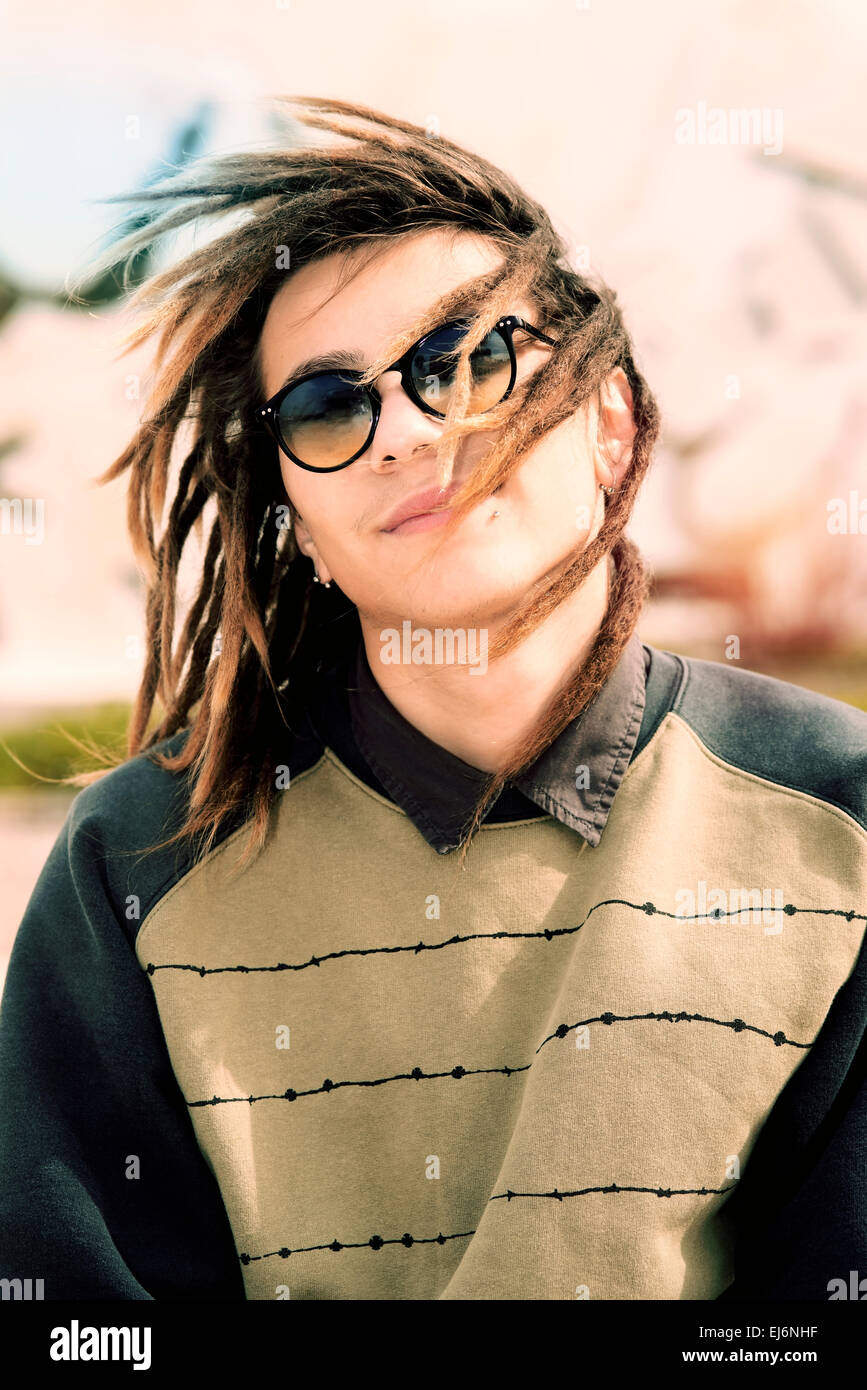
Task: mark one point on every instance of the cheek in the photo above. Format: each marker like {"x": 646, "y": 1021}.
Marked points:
{"x": 292, "y": 485}
{"x": 308, "y": 496}
{"x": 558, "y": 486}
{"x": 332, "y": 521}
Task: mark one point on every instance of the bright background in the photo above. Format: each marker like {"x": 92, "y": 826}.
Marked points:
{"x": 742, "y": 269}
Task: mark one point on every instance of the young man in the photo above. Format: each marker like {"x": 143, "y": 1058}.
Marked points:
{"x": 613, "y": 1051}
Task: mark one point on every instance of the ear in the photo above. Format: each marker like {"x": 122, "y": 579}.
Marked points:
{"x": 307, "y": 545}
{"x": 616, "y": 429}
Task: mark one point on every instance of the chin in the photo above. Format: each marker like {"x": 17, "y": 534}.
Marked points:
{"x": 471, "y": 600}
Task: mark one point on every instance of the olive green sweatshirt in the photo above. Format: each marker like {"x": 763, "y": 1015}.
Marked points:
{"x": 619, "y": 1055}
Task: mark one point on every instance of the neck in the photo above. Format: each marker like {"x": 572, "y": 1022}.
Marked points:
{"x": 480, "y": 713}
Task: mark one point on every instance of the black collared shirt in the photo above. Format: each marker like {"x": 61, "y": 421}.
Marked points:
{"x": 575, "y": 779}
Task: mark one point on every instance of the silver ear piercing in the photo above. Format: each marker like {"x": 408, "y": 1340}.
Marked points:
{"x": 605, "y": 489}
{"x": 496, "y": 513}
{"x": 317, "y": 580}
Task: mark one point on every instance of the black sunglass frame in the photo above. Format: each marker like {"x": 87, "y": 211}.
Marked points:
{"x": 506, "y": 327}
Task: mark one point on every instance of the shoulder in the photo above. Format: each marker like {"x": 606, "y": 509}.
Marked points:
{"x": 133, "y": 802}
{"x": 118, "y": 824}
{"x": 781, "y": 732}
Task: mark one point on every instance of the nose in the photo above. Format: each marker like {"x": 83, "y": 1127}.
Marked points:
{"x": 403, "y": 428}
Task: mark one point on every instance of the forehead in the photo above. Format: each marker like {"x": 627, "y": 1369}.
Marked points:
{"x": 315, "y": 312}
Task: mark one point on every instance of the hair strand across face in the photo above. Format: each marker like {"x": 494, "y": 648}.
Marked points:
{"x": 254, "y": 639}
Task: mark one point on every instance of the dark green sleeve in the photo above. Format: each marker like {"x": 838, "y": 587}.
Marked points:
{"x": 799, "y": 1216}
{"x": 86, "y": 1087}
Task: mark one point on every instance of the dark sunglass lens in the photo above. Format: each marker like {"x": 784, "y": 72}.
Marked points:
{"x": 325, "y": 420}
{"x": 434, "y": 369}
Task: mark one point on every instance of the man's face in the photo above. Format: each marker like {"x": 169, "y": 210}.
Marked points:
{"x": 548, "y": 507}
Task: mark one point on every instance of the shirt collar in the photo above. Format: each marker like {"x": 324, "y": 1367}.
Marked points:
{"x": 575, "y": 779}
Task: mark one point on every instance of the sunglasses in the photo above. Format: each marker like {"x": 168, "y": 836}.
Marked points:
{"x": 327, "y": 419}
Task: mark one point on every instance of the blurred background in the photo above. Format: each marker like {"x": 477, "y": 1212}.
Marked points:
{"x": 708, "y": 161}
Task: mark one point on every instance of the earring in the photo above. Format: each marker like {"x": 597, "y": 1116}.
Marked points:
{"x": 317, "y": 580}
{"x": 605, "y": 489}
{"x": 496, "y": 513}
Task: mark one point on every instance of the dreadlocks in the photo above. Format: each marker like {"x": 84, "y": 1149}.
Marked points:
{"x": 371, "y": 179}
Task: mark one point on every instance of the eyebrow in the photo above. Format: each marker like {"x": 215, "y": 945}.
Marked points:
{"x": 339, "y": 359}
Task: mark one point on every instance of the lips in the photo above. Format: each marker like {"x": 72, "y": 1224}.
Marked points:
{"x": 420, "y": 503}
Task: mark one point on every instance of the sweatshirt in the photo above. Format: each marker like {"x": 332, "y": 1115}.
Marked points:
{"x": 619, "y": 1055}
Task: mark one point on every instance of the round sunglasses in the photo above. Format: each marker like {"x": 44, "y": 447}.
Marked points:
{"x": 325, "y": 420}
